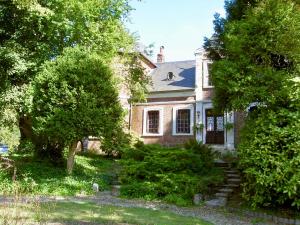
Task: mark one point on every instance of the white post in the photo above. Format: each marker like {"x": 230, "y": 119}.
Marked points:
{"x": 199, "y": 121}
{"x": 229, "y": 118}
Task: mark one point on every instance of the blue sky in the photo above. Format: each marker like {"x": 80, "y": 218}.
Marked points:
{"x": 179, "y": 25}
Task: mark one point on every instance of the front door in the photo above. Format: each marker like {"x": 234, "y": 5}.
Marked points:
{"x": 214, "y": 127}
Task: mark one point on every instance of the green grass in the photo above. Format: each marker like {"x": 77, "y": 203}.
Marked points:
{"x": 105, "y": 214}
{"x": 90, "y": 213}
{"x": 42, "y": 178}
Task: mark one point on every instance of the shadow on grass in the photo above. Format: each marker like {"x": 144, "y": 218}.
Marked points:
{"x": 42, "y": 177}
{"x": 89, "y": 213}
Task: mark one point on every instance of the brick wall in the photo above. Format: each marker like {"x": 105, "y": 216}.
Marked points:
{"x": 167, "y": 139}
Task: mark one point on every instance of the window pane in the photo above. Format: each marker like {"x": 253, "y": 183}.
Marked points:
{"x": 153, "y": 122}
{"x": 183, "y": 121}
{"x": 210, "y": 123}
{"x": 220, "y": 123}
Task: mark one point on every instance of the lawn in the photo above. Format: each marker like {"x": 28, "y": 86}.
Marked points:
{"x": 90, "y": 213}
{"x": 42, "y": 178}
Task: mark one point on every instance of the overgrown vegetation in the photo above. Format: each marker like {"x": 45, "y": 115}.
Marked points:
{"x": 171, "y": 174}
{"x": 39, "y": 177}
{"x": 269, "y": 155}
{"x": 57, "y": 72}
{"x": 256, "y": 60}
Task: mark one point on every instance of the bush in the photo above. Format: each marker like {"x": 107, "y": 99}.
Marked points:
{"x": 42, "y": 178}
{"x": 270, "y": 158}
{"x": 156, "y": 172}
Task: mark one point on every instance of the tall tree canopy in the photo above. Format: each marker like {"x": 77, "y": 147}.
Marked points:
{"x": 36, "y": 36}
{"x": 255, "y": 51}
{"x": 256, "y": 59}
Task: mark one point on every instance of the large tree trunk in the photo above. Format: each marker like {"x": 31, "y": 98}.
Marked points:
{"x": 25, "y": 126}
{"x": 71, "y": 156}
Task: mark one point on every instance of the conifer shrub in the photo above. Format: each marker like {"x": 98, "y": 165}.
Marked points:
{"x": 171, "y": 174}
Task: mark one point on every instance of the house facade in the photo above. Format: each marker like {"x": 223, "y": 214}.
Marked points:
{"x": 179, "y": 106}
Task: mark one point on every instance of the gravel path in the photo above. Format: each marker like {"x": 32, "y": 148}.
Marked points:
{"x": 217, "y": 216}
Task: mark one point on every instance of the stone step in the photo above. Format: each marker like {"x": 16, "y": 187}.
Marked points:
{"x": 225, "y": 190}
{"x": 230, "y": 186}
{"x": 115, "y": 190}
{"x": 233, "y": 171}
{"x": 222, "y": 194}
{"x": 233, "y": 181}
{"x": 115, "y": 182}
{"x": 221, "y": 163}
{"x": 217, "y": 202}
{"x": 231, "y": 175}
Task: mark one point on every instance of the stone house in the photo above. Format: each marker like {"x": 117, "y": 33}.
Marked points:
{"x": 179, "y": 106}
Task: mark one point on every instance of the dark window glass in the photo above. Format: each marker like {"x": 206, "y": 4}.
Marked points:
{"x": 183, "y": 121}
{"x": 153, "y": 122}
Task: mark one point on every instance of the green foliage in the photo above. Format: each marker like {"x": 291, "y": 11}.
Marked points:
{"x": 26, "y": 146}
{"x": 259, "y": 44}
{"x": 205, "y": 152}
{"x": 156, "y": 172}
{"x": 75, "y": 96}
{"x": 37, "y": 35}
{"x": 256, "y": 52}
{"x": 42, "y": 178}
{"x": 229, "y": 126}
{"x": 270, "y": 157}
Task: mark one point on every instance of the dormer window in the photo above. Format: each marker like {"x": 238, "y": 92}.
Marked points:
{"x": 170, "y": 76}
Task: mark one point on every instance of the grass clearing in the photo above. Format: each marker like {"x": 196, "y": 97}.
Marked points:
{"x": 42, "y": 178}
{"x": 86, "y": 213}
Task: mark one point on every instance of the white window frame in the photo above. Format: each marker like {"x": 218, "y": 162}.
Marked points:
{"x": 175, "y": 109}
{"x": 160, "y": 125}
{"x": 205, "y": 74}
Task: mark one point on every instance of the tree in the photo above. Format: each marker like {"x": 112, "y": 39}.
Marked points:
{"x": 36, "y": 31}
{"x": 256, "y": 59}
{"x": 254, "y": 52}
{"x": 75, "y": 96}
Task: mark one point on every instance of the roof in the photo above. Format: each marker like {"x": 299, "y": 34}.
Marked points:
{"x": 184, "y": 78}
{"x": 147, "y": 59}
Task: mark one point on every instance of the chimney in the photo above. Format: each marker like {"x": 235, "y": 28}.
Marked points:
{"x": 160, "y": 55}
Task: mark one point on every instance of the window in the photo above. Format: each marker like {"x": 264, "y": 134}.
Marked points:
{"x": 183, "y": 120}
{"x": 170, "y": 76}
{"x": 207, "y": 79}
{"x": 153, "y": 122}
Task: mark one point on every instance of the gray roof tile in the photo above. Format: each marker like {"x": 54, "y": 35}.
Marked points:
{"x": 184, "y": 79}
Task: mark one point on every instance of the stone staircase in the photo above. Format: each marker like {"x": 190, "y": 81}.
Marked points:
{"x": 231, "y": 184}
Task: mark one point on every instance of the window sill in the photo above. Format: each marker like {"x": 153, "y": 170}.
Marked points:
{"x": 182, "y": 134}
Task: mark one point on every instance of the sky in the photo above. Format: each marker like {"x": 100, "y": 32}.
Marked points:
{"x": 178, "y": 25}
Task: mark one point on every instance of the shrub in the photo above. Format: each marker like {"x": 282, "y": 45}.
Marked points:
{"x": 204, "y": 151}
{"x": 156, "y": 172}
{"x": 26, "y": 146}
{"x": 270, "y": 157}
